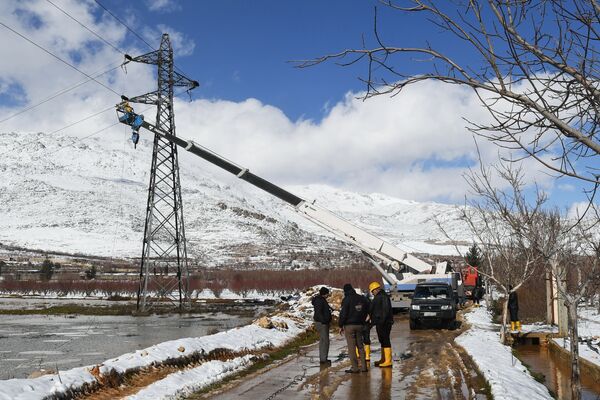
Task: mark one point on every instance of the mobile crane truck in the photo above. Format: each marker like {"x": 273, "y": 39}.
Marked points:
{"x": 400, "y": 271}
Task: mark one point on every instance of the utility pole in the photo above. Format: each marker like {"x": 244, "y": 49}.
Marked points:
{"x": 164, "y": 246}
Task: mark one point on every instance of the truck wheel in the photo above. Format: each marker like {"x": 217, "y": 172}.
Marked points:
{"x": 413, "y": 324}
{"x": 450, "y": 324}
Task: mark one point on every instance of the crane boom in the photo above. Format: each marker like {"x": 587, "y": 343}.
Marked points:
{"x": 380, "y": 251}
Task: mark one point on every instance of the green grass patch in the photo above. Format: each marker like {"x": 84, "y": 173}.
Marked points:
{"x": 304, "y": 339}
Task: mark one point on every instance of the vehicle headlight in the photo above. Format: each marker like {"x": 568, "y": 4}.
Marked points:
{"x": 446, "y": 307}
{"x": 415, "y": 307}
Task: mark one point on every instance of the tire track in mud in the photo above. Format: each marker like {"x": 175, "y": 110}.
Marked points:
{"x": 440, "y": 369}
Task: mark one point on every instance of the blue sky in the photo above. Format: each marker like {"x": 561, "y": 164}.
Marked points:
{"x": 242, "y": 48}
{"x": 297, "y": 126}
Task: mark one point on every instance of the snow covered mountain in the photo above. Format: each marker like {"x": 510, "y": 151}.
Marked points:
{"x": 60, "y": 194}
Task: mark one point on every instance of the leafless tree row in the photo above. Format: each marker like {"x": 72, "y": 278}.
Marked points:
{"x": 534, "y": 66}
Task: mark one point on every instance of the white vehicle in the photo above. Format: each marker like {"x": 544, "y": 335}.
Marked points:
{"x": 400, "y": 270}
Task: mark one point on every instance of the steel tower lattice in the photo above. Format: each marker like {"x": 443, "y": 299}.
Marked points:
{"x": 164, "y": 263}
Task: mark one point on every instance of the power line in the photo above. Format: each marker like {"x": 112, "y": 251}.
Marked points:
{"x": 78, "y": 122}
{"x": 78, "y": 140}
{"x": 88, "y": 29}
{"x": 125, "y": 25}
{"x": 135, "y": 33}
{"x": 65, "y": 127}
{"x": 82, "y": 120}
{"x": 59, "y": 58}
{"x": 82, "y": 138}
{"x": 57, "y": 94}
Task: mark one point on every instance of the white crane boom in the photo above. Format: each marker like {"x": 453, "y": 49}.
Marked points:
{"x": 396, "y": 265}
{"x": 389, "y": 254}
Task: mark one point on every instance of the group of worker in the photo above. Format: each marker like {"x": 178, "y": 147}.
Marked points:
{"x": 358, "y": 314}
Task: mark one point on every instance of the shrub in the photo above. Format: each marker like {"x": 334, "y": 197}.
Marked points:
{"x": 47, "y": 270}
{"x": 91, "y": 273}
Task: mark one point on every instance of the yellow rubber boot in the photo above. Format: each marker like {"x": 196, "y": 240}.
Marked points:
{"x": 368, "y": 352}
{"x": 381, "y": 359}
{"x": 387, "y": 363}
{"x": 512, "y": 326}
{"x": 519, "y": 326}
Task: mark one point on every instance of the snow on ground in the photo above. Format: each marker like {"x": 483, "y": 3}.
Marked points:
{"x": 508, "y": 378}
{"x": 589, "y": 335}
{"x": 192, "y": 380}
{"x": 538, "y": 327}
{"x": 587, "y": 350}
{"x": 284, "y": 327}
{"x": 589, "y": 323}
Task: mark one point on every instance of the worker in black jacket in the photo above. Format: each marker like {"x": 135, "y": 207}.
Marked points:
{"x": 382, "y": 317}
{"x": 322, "y": 319}
{"x": 513, "y": 308}
{"x": 366, "y": 332}
{"x": 353, "y": 315}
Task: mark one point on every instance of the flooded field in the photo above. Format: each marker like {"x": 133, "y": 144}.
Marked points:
{"x": 557, "y": 372}
{"x": 32, "y": 342}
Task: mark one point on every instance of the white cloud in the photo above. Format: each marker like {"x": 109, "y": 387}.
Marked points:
{"x": 163, "y": 5}
{"x": 181, "y": 43}
{"x": 582, "y": 209}
{"x": 413, "y": 146}
{"x": 39, "y": 75}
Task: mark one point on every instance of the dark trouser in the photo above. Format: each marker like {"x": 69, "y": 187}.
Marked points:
{"x": 354, "y": 340}
{"x": 323, "y": 330}
{"x": 476, "y": 299}
{"x": 383, "y": 334}
{"x": 514, "y": 314}
{"x": 366, "y": 334}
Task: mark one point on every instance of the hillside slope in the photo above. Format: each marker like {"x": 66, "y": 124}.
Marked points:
{"x": 57, "y": 194}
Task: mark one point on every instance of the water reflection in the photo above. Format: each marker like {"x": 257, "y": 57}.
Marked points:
{"x": 386, "y": 384}
{"x": 33, "y": 342}
{"x": 557, "y": 372}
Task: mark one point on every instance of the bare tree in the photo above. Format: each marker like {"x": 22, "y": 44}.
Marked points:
{"x": 496, "y": 218}
{"x": 532, "y": 64}
{"x": 571, "y": 253}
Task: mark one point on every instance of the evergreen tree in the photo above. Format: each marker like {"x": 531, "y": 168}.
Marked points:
{"x": 91, "y": 273}
{"x": 474, "y": 256}
{"x": 47, "y": 270}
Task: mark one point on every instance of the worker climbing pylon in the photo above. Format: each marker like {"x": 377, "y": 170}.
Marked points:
{"x": 132, "y": 119}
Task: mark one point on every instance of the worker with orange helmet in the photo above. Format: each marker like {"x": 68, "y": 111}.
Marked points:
{"x": 382, "y": 317}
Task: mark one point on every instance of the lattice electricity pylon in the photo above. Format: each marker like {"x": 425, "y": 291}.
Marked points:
{"x": 164, "y": 264}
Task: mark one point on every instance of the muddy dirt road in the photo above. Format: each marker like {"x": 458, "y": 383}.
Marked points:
{"x": 427, "y": 365}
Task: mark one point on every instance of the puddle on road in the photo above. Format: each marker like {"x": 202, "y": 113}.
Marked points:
{"x": 557, "y": 371}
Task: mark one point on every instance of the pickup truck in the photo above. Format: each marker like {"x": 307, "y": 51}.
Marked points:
{"x": 433, "y": 302}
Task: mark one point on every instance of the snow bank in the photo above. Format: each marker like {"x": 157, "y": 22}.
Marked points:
{"x": 185, "y": 382}
{"x": 508, "y": 378}
{"x": 588, "y": 349}
{"x": 285, "y": 326}
{"x": 589, "y": 336}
